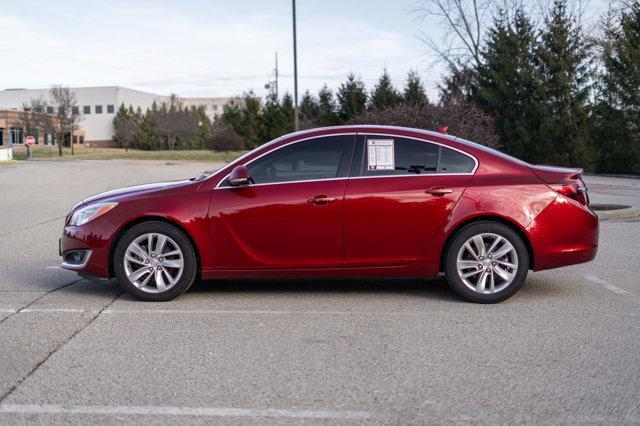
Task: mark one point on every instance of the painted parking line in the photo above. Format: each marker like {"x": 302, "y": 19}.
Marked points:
{"x": 120, "y": 410}
{"x": 58, "y": 310}
{"x": 207, "y": 312}
{"x": 607, "y": 285}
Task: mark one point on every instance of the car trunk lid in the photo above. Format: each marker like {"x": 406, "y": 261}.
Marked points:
{"x": 564, "y": 180}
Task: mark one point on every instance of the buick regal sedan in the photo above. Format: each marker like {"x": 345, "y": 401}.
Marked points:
{"x": 349, "y": 201}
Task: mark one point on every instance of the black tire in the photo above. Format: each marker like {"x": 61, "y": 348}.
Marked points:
{"x": 190, "y": 264}
{"x": 468, "y": 232}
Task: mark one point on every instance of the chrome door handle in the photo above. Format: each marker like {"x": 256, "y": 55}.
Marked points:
{"x": 437, "y": 191}
{"x": 321, "y": 200}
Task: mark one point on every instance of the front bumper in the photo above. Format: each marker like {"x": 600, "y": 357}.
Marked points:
{"x": 95, "y": 237}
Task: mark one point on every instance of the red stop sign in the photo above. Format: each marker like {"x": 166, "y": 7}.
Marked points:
{"x": 30, "y": 140}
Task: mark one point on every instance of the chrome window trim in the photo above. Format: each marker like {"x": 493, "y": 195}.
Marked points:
{"x": 472, "y": 172}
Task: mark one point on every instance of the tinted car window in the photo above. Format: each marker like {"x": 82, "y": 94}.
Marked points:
{"x": 313, "y": 159}
{"x": 410, "y": 157}
{"x": 454, "y": 162}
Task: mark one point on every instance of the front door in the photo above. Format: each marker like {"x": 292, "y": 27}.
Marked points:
{"x": 290, "y": 217}
{"x": 400, "y": 194}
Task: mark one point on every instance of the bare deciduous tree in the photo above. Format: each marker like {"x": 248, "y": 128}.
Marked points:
{"x": 223, "y": 138}
{"x": 43, "y": 122}
{"x": 463, "y": 24}
{"x": 26, "y": 123}
{"x": 462, "y": 119}
{"x": 64, "y": 102}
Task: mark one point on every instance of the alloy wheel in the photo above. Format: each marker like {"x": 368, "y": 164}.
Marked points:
{"x": 487, "y": 263}
{"x": 153, "y": 263}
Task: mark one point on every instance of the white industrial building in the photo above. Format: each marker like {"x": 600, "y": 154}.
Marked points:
{"x": 97, "y": 107}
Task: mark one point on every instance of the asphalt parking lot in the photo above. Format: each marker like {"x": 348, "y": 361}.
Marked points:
{"x": 566, "y": 348}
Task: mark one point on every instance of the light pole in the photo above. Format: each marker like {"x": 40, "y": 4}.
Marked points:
{"x": 295, "y": 71}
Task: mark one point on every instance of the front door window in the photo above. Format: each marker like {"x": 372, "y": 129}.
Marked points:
{"x": 316, "y": 159}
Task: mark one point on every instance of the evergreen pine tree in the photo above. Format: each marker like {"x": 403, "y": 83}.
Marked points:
{"x": 243, "y": 116}
{"x": 309, "y": 111}
{"x": 251, "y": 119}
{"x": 563, "y": 63}
{"x": 414, "y": 93}
{"x": 276, "y": 118}
{"x": 352, "y": 98}
{"x": 384, "y": 94}
{"x": 327, "y": 115}
{"x": 615, "y": 129}
{"x": 125, "y": 127}
{"x": 232, "y": 117}
{"x": 204, "y": 129}
{"x": 508, "y": 86}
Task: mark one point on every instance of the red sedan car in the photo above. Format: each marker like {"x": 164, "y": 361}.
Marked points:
{"x": 347, "y": 201}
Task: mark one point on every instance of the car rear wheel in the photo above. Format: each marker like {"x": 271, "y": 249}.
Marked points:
{"x": 155, "y": 261}
{"x": 486, "y": 262}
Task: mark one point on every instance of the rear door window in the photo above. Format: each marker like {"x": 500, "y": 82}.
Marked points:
{"x": 454, "y": 162}
{"x": 391, "y": 156}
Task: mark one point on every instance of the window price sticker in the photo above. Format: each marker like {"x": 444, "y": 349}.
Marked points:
{"x": 381, "y": 154}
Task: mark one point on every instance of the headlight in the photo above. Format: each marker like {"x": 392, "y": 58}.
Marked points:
{"x": 91, "y": 212}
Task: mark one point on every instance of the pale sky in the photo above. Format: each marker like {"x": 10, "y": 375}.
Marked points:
{"x": 210, "y": 47}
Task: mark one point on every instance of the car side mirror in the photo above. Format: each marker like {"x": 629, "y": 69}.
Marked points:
{"x": 239, "y": 176}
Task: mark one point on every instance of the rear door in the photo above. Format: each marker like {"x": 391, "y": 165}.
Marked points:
{"x": 400, "y": 193}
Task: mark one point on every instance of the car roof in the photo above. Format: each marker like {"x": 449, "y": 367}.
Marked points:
{"x": 400, "y": 131}
{"x": 368, "y": 128}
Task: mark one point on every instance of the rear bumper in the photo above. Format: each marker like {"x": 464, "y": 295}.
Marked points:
{"x": 95, "y": 237}
{"x": 564, "y": 233}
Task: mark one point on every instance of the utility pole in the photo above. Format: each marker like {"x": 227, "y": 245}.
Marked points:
{"x": 276, "y": 73}
{"x": 272, "y": 85}
{"x": 295, "y": 71}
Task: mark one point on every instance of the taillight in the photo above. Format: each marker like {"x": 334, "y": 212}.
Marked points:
{"x": 575, "y": 191}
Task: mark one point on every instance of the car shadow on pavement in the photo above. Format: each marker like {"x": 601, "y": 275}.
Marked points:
{"x": 437, "y": 289}
{"x": 434, "y": 288}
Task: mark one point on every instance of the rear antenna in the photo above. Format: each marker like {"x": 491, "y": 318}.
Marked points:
{"x": 443, "y": 130}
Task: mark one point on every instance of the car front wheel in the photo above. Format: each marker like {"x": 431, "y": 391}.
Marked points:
{"x": 155, "y": 261}
{"x": 486, "y": 262}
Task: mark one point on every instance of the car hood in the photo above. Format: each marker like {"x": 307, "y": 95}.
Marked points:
{"x": 141, "y": 191}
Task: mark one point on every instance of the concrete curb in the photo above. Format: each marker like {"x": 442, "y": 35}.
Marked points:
{"x": 613, "y": 175}
{"x": 628, "y": 213}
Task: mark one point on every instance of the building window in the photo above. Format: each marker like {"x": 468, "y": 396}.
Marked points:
{"x": 49, "y": 110}
{"x": 204, "y": 107}
{"x": 1, "y": 136}
{"x": 86, "y": 109}
{"x": 98, "y": 109}
{"x": 75, "y": 110}
{"x": 15, "y": 136}
{"x": 214, "y": 107}
{"x": 110, "y": 109}
{"x": 81, "y": 139}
